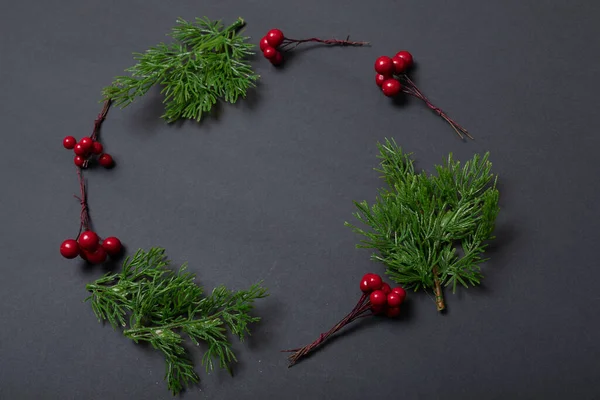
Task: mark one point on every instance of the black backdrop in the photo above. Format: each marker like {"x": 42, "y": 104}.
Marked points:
{"x": 262, "y": 192}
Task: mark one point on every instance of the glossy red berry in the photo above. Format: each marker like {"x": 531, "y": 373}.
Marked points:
{"x": 275, "y": 37}
{"x": 112, "y": 245}
{"x": 79, "y": 161}
{"x": 69, "y": 248}
{"x": 400, "y": 292}
{"x": 400, "y": 64}
{"x": 375, "y": 281}
{"x": 69, "y": 142}
{"x": 264, "y": 43}
{"x": 97, "y": 256}
{"x": 97, "y": 148}
{"x": 270, "y": 52}
{"x": 384, "y": 66}
{"x": 406, "y": 56}
{"x": 365, "y": 283}
{"x": 106, "y": 160}
{"x": 378, "y": 298}
{"x": 385, "y": 288}
{"x": 394, "y": 299}
{"x": 278, "y": 59}
{"x": 87, "y": 143}
{"x": 81, "y": 150}
{"x": 391, "y": 87}
{"x": 379, "y": 79}
{"x": 392, "y": 312}
{"x": 89, "y": 241}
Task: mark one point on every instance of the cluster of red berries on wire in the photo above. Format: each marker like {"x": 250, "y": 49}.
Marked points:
{"x": 378, "y": 298}
{"x": 274, "y": 43}
{"x": 91, "y": 248}
{"x": 392, "y": 77}
{"x": 85, "y": 149}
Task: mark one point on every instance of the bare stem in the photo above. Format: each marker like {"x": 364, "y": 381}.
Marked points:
{"x": 332, "y": 42}
{"x": 437, "y": 291}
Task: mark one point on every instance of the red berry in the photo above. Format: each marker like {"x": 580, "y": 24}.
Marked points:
{"x": 112, "y": 245}
{"x": 277, "y": 60}
{"x": 394, "y": 299}
{"x": 365, "y": 283}
{"x": 384, "y": 66}
{"x": 264, "y": 43}
{"x": 275, "y": 37}
{"x": 379, "y": 79}
{"x": 406, "y": 56}
{"x": 377, "y": 310}
{"x": 97, "y": 148}
{"x": 391, "y": 87}
{"x": 270, "y": 52}
{"x": 69, "y": 249}
{"x": 69, "y": 142}
{"x": 81, "y": 150}
{"x": 88, "y": 241}
{"x": 375, "y": 281}
{"x": 378, "y": 298}
{"x": 392, "y": 312}
{"x": 106, "y": 160}
{"x": 400, "y": 292}
{"x": 94, "y": 257}
{"x": 385, "y": 288}
{"x": 87, "y": 143}
{"x": 79, "y": 161}
{"x": 400, "y": 64}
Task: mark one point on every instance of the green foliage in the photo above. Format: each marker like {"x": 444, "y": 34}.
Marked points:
{"x": 205, "y": 63}
{"x": 428, "y": 228}
{"x": 157, "y": 305}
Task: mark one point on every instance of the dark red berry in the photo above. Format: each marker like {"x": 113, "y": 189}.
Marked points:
{"x": 79, "y": 161}
{"x": 277, "y": 60}
{"x": 378, "y": 298}
{"x": 379, "y": 79}
{"x": 81, "y": 150}
{"x": 377, "y": 310}
{"x": 407, "y": 57}
{"x": 97, "y": 148}
{"x": 89, "y": 241}
{"x": 392, "y": 312}
{"x": 400, "y": 64}
{"x": 375, "y": 281}
{"x": 365, "y": 283}
{"x": 270, "y": 52}
{"x": 264, "y": 43}
{"x": 275, "y": 37}
{"x": 106, "y": 160}
{"x": 394, "y": 299}
{"x": 97, "y": 256}
{"x": 384, "y": 66}
{"x": 400, "y": 292}
{"x": 112, "y": 245}
{"x": 87, "y": 143}
{"x": 69, "y": 248}
{"x": 69, "y": 142}
{"x": 391, "y": 87}
{"x": 385, "y": 288}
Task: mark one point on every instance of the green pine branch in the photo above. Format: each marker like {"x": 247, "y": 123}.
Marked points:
{"x": 430, "y": 231}
{"x": 207, "y": 62}
{"x": 158, "y": 306}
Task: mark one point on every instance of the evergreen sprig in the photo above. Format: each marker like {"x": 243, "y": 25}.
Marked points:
{"x": 431, "y": 230}
{"x": 205, "y": 63}
{"x": 157, "y": 305}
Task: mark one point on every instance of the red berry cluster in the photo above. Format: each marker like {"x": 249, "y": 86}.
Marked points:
{"x": 269, "y": 44}
{"x": 91, "y": 248}
{"x": 85, "y": 148}
{"x": 386, "y": 67}
{"x": 383, "y": 298}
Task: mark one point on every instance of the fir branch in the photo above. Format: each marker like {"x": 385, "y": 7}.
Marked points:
{"x": 206, "y": 63}
{"x": 430, "y": 230}
{"x": 157, "y": 305}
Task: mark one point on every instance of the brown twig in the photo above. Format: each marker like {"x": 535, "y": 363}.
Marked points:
{"x": 437, "y": 291}
{"x": 332, "y": 42}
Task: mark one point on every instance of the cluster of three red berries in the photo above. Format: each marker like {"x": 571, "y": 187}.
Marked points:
{"x": 387, "y": 67}
{"x": 383, "y": 298}
{"x": 84, "y": 149}
{"x": 269, "y": 44}
{"x": 91, "y": 248}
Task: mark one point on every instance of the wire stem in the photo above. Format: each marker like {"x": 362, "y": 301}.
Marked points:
{"x": 332, "y": 42}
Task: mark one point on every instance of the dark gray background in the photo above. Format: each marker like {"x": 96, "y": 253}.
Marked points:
{"x": 263, "y": 191}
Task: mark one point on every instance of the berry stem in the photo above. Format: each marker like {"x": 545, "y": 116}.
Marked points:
{"x": 333, "y": 42}
{"x": 360, "y": 310}
{"x": 437, "y": 291}
{"x": 85, "y": 213}
{"x": 409, "y": 87}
